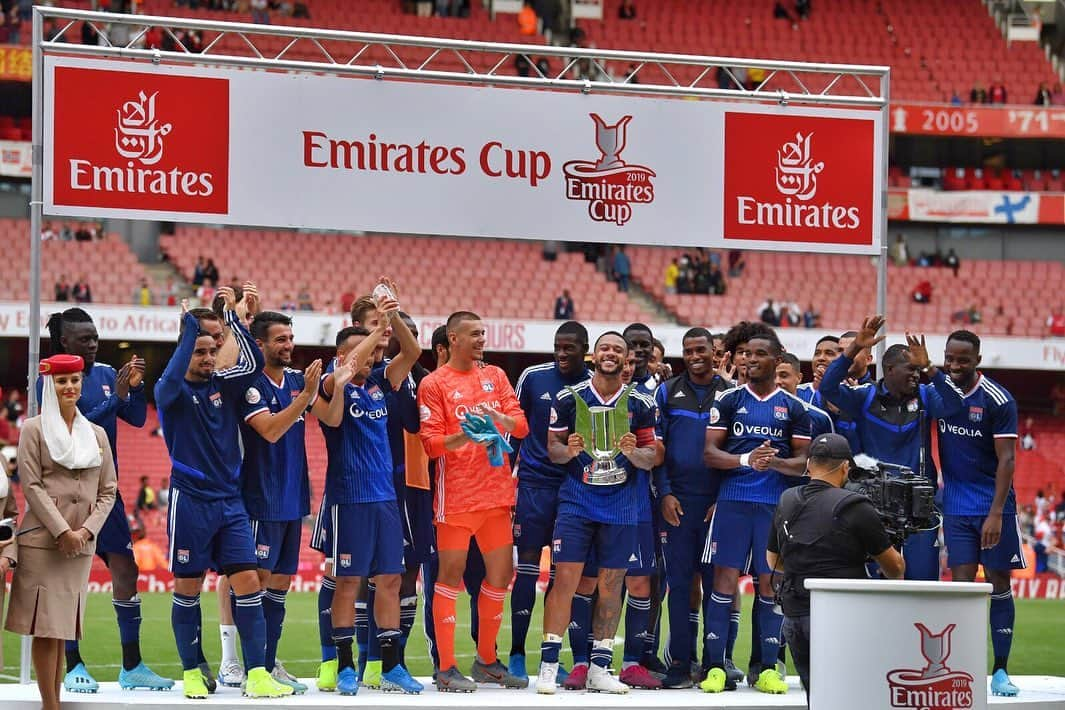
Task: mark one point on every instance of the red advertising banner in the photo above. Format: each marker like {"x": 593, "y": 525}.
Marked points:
{"x": 978, "y": 121}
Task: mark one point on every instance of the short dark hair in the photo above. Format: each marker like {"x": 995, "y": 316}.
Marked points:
{"x": 440, "y": 338}
{"x": 790, "y": 359}
{"x": 826, "y": 338}
{"x": 56, "y": 321}
{"x": 966, "y": 336}
{"x": 351, "y": 330}
{"x": 896, "y": 355}
{"x": 614, "y": 333}
{"x": 633, "y": 327}
{"x": 260, "y": 324}
{"x": 362, "y": 306}
{"x": 201, "y": 314}
{"x": 218, "y": 305}
{"x": 457, "y": 317}
{"x": 848, "y": 334}
{"x": 656, "y": 343}
{"x": 699, "y": 332}
{"x": 572, "y": 327}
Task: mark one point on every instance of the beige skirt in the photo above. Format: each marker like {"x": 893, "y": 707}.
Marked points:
{"x": 48, "y": 594}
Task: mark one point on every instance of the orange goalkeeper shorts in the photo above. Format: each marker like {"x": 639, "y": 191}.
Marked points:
{"x": 491, "y": 528}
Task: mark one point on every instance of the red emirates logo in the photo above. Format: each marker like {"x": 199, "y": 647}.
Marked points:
{"x": 798, "y": 179}
{"x": 136, "y": 141}
{"x": 936, "y": 686}
{"x": 609, "y": 185}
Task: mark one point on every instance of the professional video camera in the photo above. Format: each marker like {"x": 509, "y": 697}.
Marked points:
{"x": 904, "y": 500}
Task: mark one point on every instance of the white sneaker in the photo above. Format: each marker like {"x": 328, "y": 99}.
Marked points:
{"x": 547, "y": 681}
{"x": 600, "y": 681}
{"x": 231, "y": 674}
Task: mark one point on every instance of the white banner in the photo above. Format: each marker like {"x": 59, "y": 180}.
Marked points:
{"x": 982, "y": 206}
{"x": 15, "y": 159}
{"x": 134, "y": 323}
{"x": 322, "y": 152}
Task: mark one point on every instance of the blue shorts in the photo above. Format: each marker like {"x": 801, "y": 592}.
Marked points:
{"x": 534, "y": 517}
{"x": 419, "y": 534}
{"x": 115, "y": 537}
{"x": 322, "y": 532}
{"x": 277, "y": 545}
{"x": 208, "y": 534}
{"x": 962, "y": 536}
{"x": 576, "y": 538}
{"x": 643, "y": 560}
{"x": 367, "y": 540}
{"x": 739, "y": 534}
{"x": 921, "y": 552}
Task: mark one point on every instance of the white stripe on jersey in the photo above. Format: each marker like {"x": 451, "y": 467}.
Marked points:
{"x": 811, "y": 408}
{"x": 993, "y": 391}
{"x": 527, "y": 372}
{"x": 172, "y": 515}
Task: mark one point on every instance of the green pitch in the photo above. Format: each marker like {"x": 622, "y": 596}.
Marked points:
{"x": 1039, "y": 630}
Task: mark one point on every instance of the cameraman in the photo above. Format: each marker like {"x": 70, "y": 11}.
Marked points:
{"x": 820, "y": 530}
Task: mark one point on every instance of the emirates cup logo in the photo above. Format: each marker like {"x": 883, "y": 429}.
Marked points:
{"x": 609, "y": 185}
{"x": 139, "y": 134}
{"x": 796, "y": 170}
{"x": 936, "y": 686}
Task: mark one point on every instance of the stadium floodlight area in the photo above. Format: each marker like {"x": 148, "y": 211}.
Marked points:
{"x": 280, "y": 127}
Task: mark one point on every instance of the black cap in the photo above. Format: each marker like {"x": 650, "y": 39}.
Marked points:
{"x": 831, "y": 446}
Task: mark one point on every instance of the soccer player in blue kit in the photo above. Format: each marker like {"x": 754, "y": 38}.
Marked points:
{"x": 108, "y": 395}
{"x": 599, "y": 519}
{"x": 977, "y": 449}
{"x": 276, "y": 487}
{"x": 894, "y": 419}
{"x": 757, "y": 434}
{"x": 538, "y": 478}
{"x": 367, "y": 532}
{"x": 208, "y": 525}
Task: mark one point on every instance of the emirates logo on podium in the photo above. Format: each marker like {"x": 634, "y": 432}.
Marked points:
{"x": 936, "y": 686}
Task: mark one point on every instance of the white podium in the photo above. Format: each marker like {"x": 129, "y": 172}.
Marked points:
{"x": 895, "y": 644}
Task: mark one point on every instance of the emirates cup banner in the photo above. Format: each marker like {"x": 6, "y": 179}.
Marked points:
{"x": 223, "y": 146}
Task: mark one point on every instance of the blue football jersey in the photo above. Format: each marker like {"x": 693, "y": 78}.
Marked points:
{"x": 536, "y": 391}
{"x": 359, "y": 468}
{"x": 618, "y": 504}
{"x": 749, "y": 421}
{"x": 275, "y": 482}
{"x": 967, "y": 449}
{"x": 201, "y": 420}
{"x": 683, "y": 413}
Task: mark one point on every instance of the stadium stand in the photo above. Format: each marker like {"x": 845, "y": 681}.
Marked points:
{"x": 433, "y": 264}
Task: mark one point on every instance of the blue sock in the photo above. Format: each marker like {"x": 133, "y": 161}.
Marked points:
{"x": 185, "y": 618}
{"x": 715, "y": 636}
{"x": 522, "y": 600}
{"x": 637, "y": 614}
{"x": 274, "y": 612}
{"x": 373, "y": 645}
{"x": 693, "y": 629}
{"x": 128, "y": 612}
{"x": 251, "y": 625}
{"x": 733, "y": 633}
{"x": 362, "y": 630}
{"x": 769, "y": 624}
{"x": 603, "y": 653}
{"x": 579, "y": 626}
{"x": 756, "y": 630}
{"x": 325, "y": 619}
{"x": 1002, "y": 617}
{"x": 549, "y": 650}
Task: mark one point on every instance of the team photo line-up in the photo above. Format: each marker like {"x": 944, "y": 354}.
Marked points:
{"x": 650, "y": 490}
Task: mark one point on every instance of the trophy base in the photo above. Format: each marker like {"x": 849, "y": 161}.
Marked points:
{"x": 606, "y": 476}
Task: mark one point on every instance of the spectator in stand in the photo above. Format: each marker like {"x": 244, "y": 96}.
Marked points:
{"x": 147, "y": 554}
{"x": 527, "y": 20}
{"x": 627, "y": 10}
{"x": 198, "y": 271}
{"x": 1055, "y": 324}
{"x": 1043, "y": 96}
{"x": 8, "y": 434}
{"x": 1041, "y": 504}
{"x": 164, "y": 493}
{"x": 13, "y": 407}
{"x": 1028, "y": 435}
{"x": 82, "y": 233}
{"x": 997, "y": 93}
{"x": 922, "y": 292}
{"x": 672, "y": 272}
{"x": 955, "y": 98}
{"x": 899, "y": 252}
{"x": 205, "y": 293}
{"x": 769, "y": 313}
{"x": 781, "y": 13}
{"x": 1057, "y": 399}
{"x": 564, "y": 306}
{"x": 716, "y": 279}
{"x": 143, "y": 295}
{"x": 304, "y": 300}
{"x": 153, "y": 38}
{"x": 1057, "y": 97}
{"x": 82, "y": 292}
{"x": 62, "y": 289}
{"x": 810, "y": 317}
{"x": 1043, "y": 542}
{"x": 288, "y": 304}
{"x": 952, "y": 262}
{"x": 978, "y": 95}
{"x": 622, "y": 269}
{"x": 51, "y": 31}
{"x": 173, "y": 292}
{"x": 48, "y": 233}
{"x": 210, "y": 271}
{"x": 260, "y": 12}
{"x": 737, "y": 262}
{"x": 146, "y": 497}
{"x": 329, "y": 308}
{"x": 802, "y": 9}
{"x": 346, "y": 299}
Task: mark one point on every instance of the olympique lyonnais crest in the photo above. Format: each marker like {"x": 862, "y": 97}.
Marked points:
{"x": 262, "y": 551}
{"x": 345, "y": 560}
{"x": 183, "y": 556}
{"x": 976, "y": 414}
{"x": 780, "y": 413}
{"x": 936, "y": 686}
{"x": 609, "y": 185}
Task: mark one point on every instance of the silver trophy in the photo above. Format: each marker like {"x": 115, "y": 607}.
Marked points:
{"x": 601, "y": 443}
